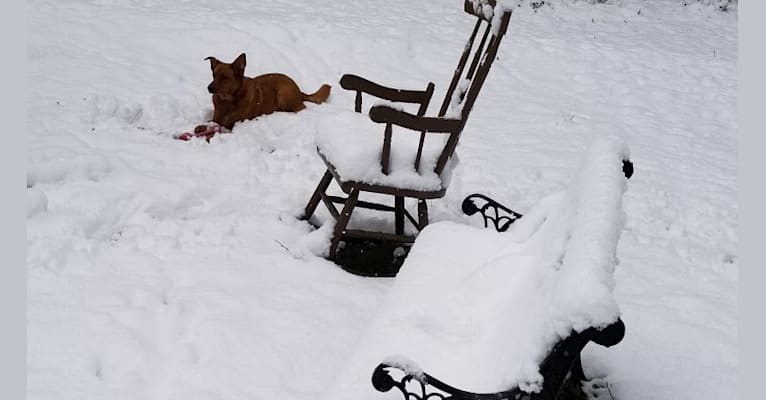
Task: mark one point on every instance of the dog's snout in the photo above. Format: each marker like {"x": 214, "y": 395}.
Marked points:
{"x": 211, "y": 87}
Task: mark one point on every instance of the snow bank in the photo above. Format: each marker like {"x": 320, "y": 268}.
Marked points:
{"x": 36, "y": 201}
{"x": 479, "y": 309}
{"x": 315, "y": 243}
{"x": 52, "y": 164}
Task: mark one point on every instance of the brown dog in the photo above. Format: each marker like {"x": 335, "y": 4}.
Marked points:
{"x": 238, "y": 98}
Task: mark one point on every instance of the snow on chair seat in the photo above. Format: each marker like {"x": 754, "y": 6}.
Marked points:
{"x": 508, "y": 313}
{"x": 354, "y": 146}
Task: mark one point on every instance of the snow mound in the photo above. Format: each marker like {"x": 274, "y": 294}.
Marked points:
{"x": 37, "y": 202}
{"x": 49, "y": 164}
{"x": 480, "y": 309}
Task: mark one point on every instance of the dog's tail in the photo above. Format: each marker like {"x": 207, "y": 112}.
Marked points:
{"x": 319, "y": 96}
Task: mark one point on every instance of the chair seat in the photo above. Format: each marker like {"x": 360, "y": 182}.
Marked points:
{"x": 352, "y": 145}
{"x": 480, "y": 309}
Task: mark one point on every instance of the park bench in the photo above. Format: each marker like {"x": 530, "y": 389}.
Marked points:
{"x": 403, "y": 162}
{"x": 502, "y": 315}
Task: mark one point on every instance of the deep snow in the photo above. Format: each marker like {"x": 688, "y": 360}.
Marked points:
{"x": 480, "y": 309}
{"x": 159, "y": 268}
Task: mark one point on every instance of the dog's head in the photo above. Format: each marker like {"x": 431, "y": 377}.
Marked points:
{"x": 227, "y": 78}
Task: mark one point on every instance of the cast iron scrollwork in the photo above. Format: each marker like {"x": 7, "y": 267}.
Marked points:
{"x": 383, "y": 382}
{"x": 501, "y": 216}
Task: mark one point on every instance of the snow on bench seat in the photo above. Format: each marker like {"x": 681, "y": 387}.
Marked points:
{"x": 354, "y": 145}
{"x": 480, "y": 309}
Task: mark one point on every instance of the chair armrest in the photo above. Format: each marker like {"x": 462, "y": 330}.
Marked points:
{"x": 359, "y": 84}
{"x": 388, "y": 115}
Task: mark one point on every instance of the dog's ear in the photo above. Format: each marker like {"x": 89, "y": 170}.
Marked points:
{"x": 213, "y": 62}
{"x": 239, "y": 64}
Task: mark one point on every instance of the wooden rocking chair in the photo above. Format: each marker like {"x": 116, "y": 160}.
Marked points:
{"x": 430, "y": 176}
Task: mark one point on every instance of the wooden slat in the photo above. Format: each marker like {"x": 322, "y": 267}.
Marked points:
{"x": 386, "y": 154}
{"x": 353, "y": 82}
{"x": 459, "y": 70}
{"x": 478, "y": 55}
{"x": 399, "y": 215}
{"x": 340, "y": 224}
{"x": 363, "y": 204}
{"x": 477, "y": 8}
{"x": 349, "y": 186}
{"x": 476, "y": 84}
{"x": 314, "y": 201}
{"x": 412, "y": 219}
{"x": 389, "y": 115}
{"x": 360, "y": 234}
{"x": 422, "y": 214}
{"x": 330, "y": 206}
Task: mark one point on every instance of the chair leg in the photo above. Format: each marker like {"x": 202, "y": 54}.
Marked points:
{"x": 317, "y": 196}
{"x": 399, "y": 214}
{"x": 343, "y": 218}
{"x": 422, "y": 214}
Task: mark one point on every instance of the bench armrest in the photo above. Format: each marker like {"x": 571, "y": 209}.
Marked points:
{"x": 382, "y": 381}
{"x": 501, "y": 216}
{"x": 389, "y": 115}
{"x": 361, "y": 85}
{"x": 562, "y": 359}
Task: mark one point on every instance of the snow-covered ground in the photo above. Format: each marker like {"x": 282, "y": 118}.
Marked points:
{"x": 163, "y": 269}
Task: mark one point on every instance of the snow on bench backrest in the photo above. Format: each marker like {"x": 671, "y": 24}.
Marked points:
{"x": 481, "y": 309}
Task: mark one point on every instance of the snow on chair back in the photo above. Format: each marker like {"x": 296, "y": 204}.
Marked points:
{"x": 464, "y": 88}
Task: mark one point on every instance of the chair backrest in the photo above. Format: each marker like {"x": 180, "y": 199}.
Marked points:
{"x": 466, "y": 83}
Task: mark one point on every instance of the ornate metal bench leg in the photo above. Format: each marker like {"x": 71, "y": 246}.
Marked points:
{"x": 317, "y": 196}
{"x": 577, "y": 373}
